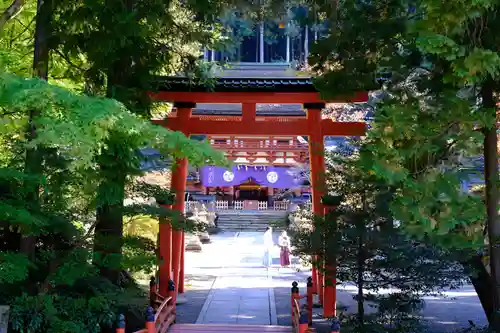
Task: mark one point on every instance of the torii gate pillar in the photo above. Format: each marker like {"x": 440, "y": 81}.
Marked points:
{"x": 178, "y": 185}
{"x": 325, "y": 285}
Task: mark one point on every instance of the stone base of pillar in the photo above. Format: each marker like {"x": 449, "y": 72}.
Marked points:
{"x": 193, "y": 243}
{"x": 316, "y": 303}
{"x": 213, "y": 230}
{"x": 204, "y": 237}
{"x": 181, "y": 299}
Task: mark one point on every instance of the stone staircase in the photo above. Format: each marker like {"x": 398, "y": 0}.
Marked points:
{"x": 250, "y": 220}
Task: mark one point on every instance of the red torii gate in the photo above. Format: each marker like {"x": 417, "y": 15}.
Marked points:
{"x": 249, "y": 92}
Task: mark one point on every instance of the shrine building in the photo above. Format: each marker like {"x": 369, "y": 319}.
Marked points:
{"x": 267, "y": 169}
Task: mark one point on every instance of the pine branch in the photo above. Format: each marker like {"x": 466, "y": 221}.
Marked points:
{"x": 25, "y": 29}
{"x": 7, "y": 113}
{"x": 68, "y": 60}
{"x": 11, "y": 12}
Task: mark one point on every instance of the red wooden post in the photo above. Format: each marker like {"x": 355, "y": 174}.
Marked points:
{"x": 181, "y": 277}
{"x": 121, "y": 324}
{"x": 178, "y": 184}
{"x": 294, "y": 295}
{"x": 314, "y": 275}
{"x": 179, "y": 175}
{"x": 303, "y": 322}
{"x": 150, "y": 321}
{"x": 310, "y": 295}
{"x": 165, "y": 249}
{"x": 317, "y": 160}
{"x": 330, "y": 298}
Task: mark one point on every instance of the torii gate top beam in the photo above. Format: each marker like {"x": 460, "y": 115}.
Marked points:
{"x": 248, "y": 91}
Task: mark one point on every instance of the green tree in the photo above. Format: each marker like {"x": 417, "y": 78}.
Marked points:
{"x": 471, "y": 61}
{"x": 139, "y": 40}
{"x": 439, "y": 62}
{"x": 367, "y": 247}
{"x": 71, "y": 131}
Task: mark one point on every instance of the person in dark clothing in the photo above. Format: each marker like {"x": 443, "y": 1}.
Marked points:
{"x": 216, "y": 219}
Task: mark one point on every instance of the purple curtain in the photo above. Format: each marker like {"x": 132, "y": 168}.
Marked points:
{"x": 277, "y": 177}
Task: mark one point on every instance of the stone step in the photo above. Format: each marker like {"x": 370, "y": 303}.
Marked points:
{"x": 234, "y": 217}
{"x": 247, "y": 224}
{"x": 251, "y": 212}
{"x": 226, "y": 217}
{"x": 251, "y": 216}
{"x": 249, "y": 220}
{"x": 219, "y": 328}
{"x": 243, "y": 227}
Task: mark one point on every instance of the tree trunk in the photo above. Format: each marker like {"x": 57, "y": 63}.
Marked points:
{"x": 361, "y": 226}
{"x": 360, "y": 282}
{"x": 108, "y": 237}
{"x": 481, "y": 280}
{"x": 492, "y": 198}
{"x": 33, "y": 161}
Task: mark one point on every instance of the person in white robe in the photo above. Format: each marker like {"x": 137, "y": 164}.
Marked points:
{"x": 268, "y": 247}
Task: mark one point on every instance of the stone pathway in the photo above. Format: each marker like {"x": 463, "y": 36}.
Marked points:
{"x": 242, "y": 292}
{"x": 234, "y": 288}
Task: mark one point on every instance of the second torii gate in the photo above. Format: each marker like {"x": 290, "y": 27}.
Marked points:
{"x": 249, "y": 92}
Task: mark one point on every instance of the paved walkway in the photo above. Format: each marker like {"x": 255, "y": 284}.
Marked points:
{"x": 228, "y": 285}
{"x": 242, "y": 292}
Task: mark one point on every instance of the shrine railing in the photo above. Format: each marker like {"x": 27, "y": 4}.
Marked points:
{"x": 221, "y": 205}
{"x": 256, "y": 145}
{"x": 262, "y": 205}
{"x": 189, "y": 205}
{"x": 281, "y": 205}
{"x": 240, "y": 205}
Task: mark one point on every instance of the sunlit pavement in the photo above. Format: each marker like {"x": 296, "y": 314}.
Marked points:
{"x": 244, "y": 291}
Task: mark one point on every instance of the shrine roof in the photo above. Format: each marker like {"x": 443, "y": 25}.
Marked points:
{"x": 243, "y": 77}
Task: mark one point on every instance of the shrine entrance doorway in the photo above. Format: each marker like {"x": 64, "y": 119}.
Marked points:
{"x": 250, "y": 193}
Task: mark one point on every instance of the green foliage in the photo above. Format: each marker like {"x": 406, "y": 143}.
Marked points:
{"x": 363, "y": 39}
{"x": 89, "y": 153}
{"x": 428, "y": 125}
{"x": 397, "y": 316}
{"x": 73, "y": 130}
{"x": 16, "y": 40}
{"x": 89, "y": 306}
{"x": 141, "y": 225}
{"x": 139, "y": 254}
{"x": 79, "y": 125}
{"x": 370, "y": 250}
{"x": 422, "y": 162}
{"x": 15, "y": 267}
{"x": 441, "y": 69}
